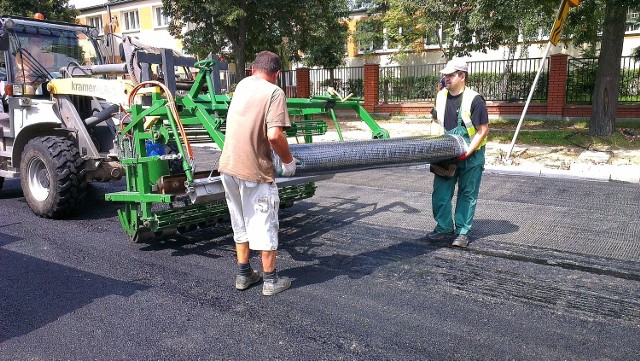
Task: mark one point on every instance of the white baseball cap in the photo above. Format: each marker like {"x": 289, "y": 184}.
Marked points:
{"x": 455, "y": 65}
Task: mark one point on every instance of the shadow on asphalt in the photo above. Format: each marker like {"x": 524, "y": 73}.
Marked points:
{"x": 11, "y": 189}
{"x": 200, "y": 242}
{"x": 483, "y": 228}
{"x": 93, "y": 208}
{"x": 308, "y": 229}
{"x": 42, "y": 292}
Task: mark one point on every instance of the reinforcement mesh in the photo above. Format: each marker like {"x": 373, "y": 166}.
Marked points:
{"x": 335, "y": 157}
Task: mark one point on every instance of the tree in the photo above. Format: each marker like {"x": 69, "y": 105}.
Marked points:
{"x": 51, "y": 9}
{"x": 607, "y": 87}
{"x": 327, "y": 42}
{"x": 478, "y": 25}
{"x": 597, "y": 22}
{"x": 458, "y": 26}
{"x": 240, "y": 29}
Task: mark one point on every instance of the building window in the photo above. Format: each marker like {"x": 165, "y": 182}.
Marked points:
{"x": 390, "y": 40}
{"x": 159, "y": 18}
{"x": 434, "y": 39}
{"x": 130, "y": 20}
{"x": 370, "y": 35}
{"x": 96, "y": 22}
{"x": 633, "y": 20}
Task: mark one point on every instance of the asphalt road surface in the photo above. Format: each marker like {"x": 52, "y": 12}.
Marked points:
{"x": 553, "y": 274}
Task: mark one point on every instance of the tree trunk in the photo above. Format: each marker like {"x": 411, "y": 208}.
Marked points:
{"x": 607, "y": 87}
{"x": 239, "y": 48}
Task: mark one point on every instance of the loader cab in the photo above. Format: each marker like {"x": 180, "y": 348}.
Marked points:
{"x": 35, "y": 52}
{"x": 3, "y": 82}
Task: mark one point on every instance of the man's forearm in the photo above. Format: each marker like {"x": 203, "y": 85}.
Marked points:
{"x": 279, "y": 143}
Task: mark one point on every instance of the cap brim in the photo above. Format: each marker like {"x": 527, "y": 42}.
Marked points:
{"x": 447, "y": 71}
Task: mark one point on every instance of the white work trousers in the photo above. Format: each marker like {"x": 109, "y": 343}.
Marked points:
{"x": 253, "y": 208}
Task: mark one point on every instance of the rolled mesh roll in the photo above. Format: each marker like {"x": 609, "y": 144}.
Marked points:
{"x": 335, "y": 157}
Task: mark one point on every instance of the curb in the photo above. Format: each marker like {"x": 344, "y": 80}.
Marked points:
{"x": 601, "y": 173}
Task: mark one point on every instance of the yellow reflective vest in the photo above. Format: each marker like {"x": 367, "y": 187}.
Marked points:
{"x": 465, "y": 110}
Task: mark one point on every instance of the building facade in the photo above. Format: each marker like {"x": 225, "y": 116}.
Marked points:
{"x": 385, "y": 52}
{"x": 114, "y": 19}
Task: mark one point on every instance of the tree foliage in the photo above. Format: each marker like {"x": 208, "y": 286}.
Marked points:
{"x": 479, "y": 25}
{"x": 240, "y": 29}
{"x": 459, "y": 27}
{"x": 51, "y": 9}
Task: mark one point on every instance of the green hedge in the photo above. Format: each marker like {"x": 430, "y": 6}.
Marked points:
{"x": 492, "y": 86}
{"x": 581, "y": 81}
{"x": 408, "y": 88}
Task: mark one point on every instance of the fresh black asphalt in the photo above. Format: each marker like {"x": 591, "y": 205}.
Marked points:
{"x": 553, "y": 273}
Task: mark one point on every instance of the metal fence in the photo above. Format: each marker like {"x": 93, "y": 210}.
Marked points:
{"x": 287, "y": 81}
{"x": 409, "y": 83}
{"x": 581, "y": 80}
{"x": 346, "y": 80}
{"x": 497, "y": 80}
{"x": 509, "y": 80}
{"x": 228, "y": 81}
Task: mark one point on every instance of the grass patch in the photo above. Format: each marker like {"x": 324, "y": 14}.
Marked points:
{"x": 566, "y": 138}
{"x": 558, "y": 133}
{"x": 538, "y": 124}
{"x": 565, "y": 134}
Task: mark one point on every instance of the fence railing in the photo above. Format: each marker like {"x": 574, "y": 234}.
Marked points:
{"x": 509, "y": 80}
{"x": 581, "y": 80}
{"x": 346, "y": 80}
{"x": 228, "y": 81}
{"x": 287, "y": 81}
{"x": 496, "y": 80}
{"x": 409, "y": 83}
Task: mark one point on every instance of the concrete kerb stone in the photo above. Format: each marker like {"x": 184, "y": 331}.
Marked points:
{"x": 563, "y": 163}
{"x": 621, "y": 173}
{"x": 596, "y": 172}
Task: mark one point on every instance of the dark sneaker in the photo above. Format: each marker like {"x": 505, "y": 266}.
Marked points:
{"x": 462, "y": 241}
{"x": 437, "y": 236}
{"x": 243, "y": 282}
{"x": 272, "y": 287}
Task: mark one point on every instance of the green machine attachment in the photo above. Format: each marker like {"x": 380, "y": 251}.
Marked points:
{"x": 165, "y": 192}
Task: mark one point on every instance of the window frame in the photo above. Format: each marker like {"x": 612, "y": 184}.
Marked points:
{"x": 633, "y": 28}
{"x": 127, "y": 16}
{"x": 159, "y": 19}
{"x": 97, "y": 22}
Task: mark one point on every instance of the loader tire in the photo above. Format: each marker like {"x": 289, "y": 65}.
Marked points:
{"x": 52, "y": 176}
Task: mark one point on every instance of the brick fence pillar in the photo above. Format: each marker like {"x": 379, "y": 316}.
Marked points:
{"x": 303, "y": 83}
{"x": 371, "y": 85}
{"x": 557, "y": 96}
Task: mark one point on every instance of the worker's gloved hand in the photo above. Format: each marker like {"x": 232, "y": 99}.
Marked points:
{"x": 462, "y": 157}
{"x": 289, "y": 169}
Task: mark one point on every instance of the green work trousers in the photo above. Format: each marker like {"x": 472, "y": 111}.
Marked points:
{"x": 467, "y": 178}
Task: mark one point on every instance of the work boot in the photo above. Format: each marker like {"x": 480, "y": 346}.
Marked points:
{"x": 461, "y": 240}
{"x": 276, "y": 285}
{"x": 245, "y": 281}
{"x": 437, "y": 236}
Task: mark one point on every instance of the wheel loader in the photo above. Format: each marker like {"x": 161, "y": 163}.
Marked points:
{"x": 56, "y": 143}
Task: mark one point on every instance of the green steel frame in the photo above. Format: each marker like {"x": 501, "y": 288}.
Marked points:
{"x": 147, "y": 211}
